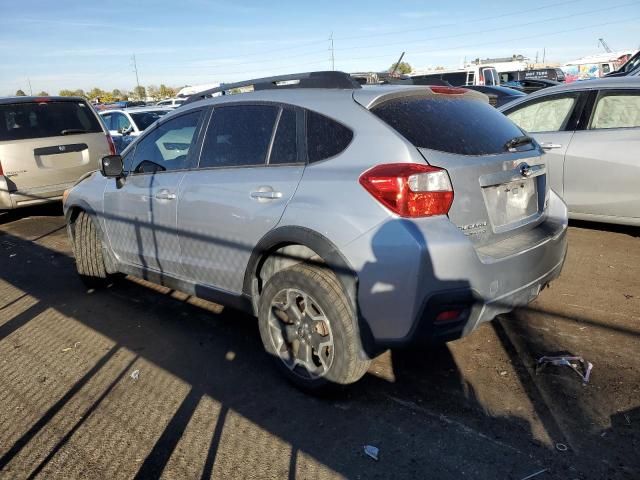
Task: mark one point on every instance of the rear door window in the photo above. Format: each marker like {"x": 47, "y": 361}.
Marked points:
{"x": 22, "y": 121}
{"x": 449, "y": 123}
{"x": 239, "y": 136}
{"x": 550, "y": 114}
{"x": 326, "y": 138}
{"x": 616, "y": 110}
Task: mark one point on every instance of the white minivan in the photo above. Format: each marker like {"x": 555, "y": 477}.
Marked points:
{"x": 470, "y": 75}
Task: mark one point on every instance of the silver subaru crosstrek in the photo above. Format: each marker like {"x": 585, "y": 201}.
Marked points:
{"x": 348, "y": 219}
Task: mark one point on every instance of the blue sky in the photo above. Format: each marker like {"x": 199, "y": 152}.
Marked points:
{"x": 72, "y": 44}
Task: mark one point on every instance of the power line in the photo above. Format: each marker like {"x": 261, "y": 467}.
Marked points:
{"x": 404, "y": 43}
{"x": 476, "y": 32}
{"x": 475, "y": 20}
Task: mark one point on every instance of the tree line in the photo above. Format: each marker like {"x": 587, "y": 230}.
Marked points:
{"x": 105, "y": 96}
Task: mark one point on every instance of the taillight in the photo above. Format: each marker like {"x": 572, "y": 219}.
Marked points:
{"x": 448, "y": 90}
{"x": 1, "y": 172}
{"x": 410, "y": 189}
{"x": 112, "y": 146}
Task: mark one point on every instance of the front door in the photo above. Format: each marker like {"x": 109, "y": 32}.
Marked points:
{"x": 140, "y": 212}
{"x": 249, "y": 168}
{"x": 602, "y": 169}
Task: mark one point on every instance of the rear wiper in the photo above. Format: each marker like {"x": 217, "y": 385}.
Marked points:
{"x": 517, "y": 142}
{"x": 70, "y": 131}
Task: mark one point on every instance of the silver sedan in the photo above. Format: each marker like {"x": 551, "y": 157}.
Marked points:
{"x": 590, "y": 131}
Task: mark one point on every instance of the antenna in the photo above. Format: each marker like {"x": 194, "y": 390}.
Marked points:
{"x": 333, "y": 60}
{"x": 605, "y": 45}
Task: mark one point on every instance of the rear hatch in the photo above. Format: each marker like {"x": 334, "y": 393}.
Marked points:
{"x": 47, "y": 144}
{"x": 500, "y": 185}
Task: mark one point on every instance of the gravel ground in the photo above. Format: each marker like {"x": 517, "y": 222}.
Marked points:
{"x": 206, "y": 402}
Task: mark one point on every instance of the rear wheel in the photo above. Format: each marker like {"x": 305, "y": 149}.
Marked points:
{"x": 87, "y": 247}
{"x": 308, "y": 327}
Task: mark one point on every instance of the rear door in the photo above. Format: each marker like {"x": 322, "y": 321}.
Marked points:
{"x": 602, "y": 169}
{"x": 140, "y": 213}
{"x": 249, "y": 168}
{"x": 498, "y": 190}
{"x": 551, "y": 120}
{"x": 46, "y": 145}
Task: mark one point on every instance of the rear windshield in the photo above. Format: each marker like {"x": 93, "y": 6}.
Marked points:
{"x": 449, "y": 124}
{"x": 46, "y": 119}
{"x": 144, "y": 119}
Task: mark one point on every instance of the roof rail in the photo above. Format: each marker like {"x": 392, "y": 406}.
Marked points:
{"x": 324, "y": 79}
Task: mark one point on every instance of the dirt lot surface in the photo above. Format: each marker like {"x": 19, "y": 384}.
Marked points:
{"x": 207, "y": 402}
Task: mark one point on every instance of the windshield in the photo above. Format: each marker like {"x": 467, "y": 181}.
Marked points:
{"x": 632, "y": 64}
{"x": 144, "y": 119}
{"x": 46, "y": 119}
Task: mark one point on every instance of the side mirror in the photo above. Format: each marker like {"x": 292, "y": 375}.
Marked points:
{"x": 111, "y": 166}
{"x": 125, "y": 131}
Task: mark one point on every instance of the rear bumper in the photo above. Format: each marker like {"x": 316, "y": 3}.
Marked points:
{"x": 410, "y": 271}
{"x": 16, "y": 199}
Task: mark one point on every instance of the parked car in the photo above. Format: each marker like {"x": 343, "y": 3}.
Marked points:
{"x": 555, "y": 74}
{"x": 126, "y": 124}
{"x": 346, "y": 218}
{"x": 46, "y": 145}
{"x": 498, "y": 95}
{"x": 527, "y": 85}
{"x": 171, "y": 102}
{"x": 591, "y": 132}
{"x": 472, "y": 75}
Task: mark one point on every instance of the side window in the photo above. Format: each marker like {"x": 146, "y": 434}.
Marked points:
{"x": 550, "y": 115}
{"x": 285, "y": 143}
{"x": 605, "y": 68}
{"x": 120, "y": 122}
{"x": 238, "y": 136}
{"x": 325, "y": 137}
{"x": 166, "y": 147}
{"x": 617, "y": 110}
{"x": 106, "y": 118}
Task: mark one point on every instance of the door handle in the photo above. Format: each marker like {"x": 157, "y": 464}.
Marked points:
{"x": 165, "y": 194}
{"x": 550, "y": 146}
{"x": 266, "y": 194}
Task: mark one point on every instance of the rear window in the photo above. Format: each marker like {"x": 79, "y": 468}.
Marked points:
{"x": 22, "y": 121}
{"x": 449, "y": 124}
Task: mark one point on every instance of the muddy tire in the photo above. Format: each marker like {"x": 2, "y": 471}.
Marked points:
{"x": 87, "y": 246}
{"x": 309, "y": 329}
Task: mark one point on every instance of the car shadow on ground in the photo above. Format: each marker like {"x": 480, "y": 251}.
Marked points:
{"x": 423, "y": 413}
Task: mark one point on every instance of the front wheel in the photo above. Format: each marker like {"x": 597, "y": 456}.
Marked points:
{"x": 308, "y": 327}
{"x": 87, "y": 248}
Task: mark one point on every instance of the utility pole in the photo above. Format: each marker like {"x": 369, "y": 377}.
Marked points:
{"x": 333, "y": 60}
{"x": 544, "y": 54}
{"x": 135, "y": 69}
{"x": 30, "y": 89}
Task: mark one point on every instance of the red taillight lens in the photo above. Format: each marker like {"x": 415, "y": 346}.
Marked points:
{"x": 112, "y": 146}
{"x": 448, "y": 90}
{"x": 410, "y": 189}
{"x": 1, "y": 172}
{"x": 448, "y": 315}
